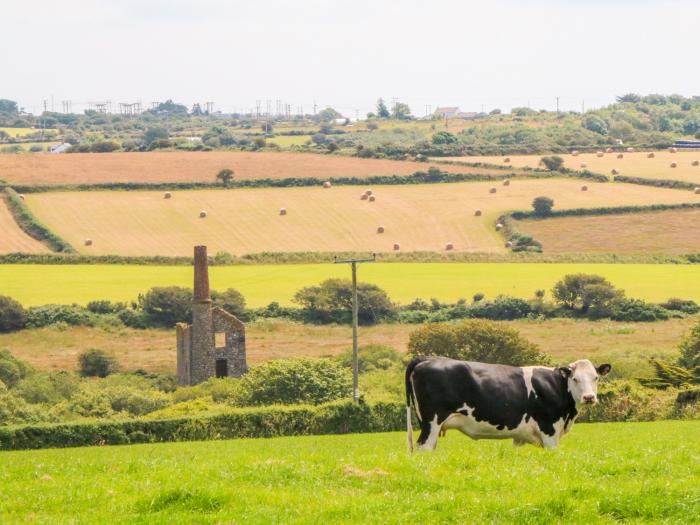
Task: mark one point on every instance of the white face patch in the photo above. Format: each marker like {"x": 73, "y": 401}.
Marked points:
{"x": 583, "y": 382}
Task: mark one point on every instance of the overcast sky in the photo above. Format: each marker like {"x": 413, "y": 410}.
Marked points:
{"x": 347, "y": 53}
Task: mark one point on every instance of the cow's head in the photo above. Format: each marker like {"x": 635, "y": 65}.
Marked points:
{"x": 582, "y": 379}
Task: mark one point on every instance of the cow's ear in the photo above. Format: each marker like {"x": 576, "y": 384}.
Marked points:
{"x": 603, "y": 369}
{"x": 565, "y": 372}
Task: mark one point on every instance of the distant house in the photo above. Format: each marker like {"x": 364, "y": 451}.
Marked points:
{"x": 447, "y": 112}
{"x": 467, "y": 115}
{"x": 59, "y": 148}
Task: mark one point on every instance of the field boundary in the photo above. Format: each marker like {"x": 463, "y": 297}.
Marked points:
{"x": 660, "y": 183}
{"x": 30, "y": 225}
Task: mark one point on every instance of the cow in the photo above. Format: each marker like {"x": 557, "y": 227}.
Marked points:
{"x": 528, "y": 404}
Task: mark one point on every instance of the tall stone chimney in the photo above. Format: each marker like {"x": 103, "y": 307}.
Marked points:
{"x": 202, "y": 352}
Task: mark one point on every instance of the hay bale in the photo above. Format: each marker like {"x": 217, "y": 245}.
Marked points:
{"x": 449, "y": 246}
{"x": 608, "y": 150}
{"x": 575, "y": 153}
{"x": 651, "y": 155}
{"x": 672, "y": 149}
{"x": 499, "y": 226}
{"x": 492, "y": 189}
{"x": 477, "y": 212}
{"x": 87, "y": 242}
{"x": 584, "y": 188}
{"x": 21, "y": 196}
{"x": 202, "y": 214}
{"x": 630, "y": 150}
{"x": 599, "y": 153}
{"x": 674, "y": 164}
{"x": 697, "y": 191}
{"x": 283, "y": 211}
{"x": 584, "y": 165}
{"x": 506, "y": 160}
{"x": 368, "y": 192}
{"x": 364, "y": 197}
{"x": 614, "y": 171}
{"x": 380, "y": 229}
{"x": 327, "y": 184}
{"x": 372, "y": 198}
{"x": 167, "y": 195}
{"x": 509, "y": 244}
{"x": 397, "y": 246}
{"x": 695, "y": 163}
{"x": 506, "y": 182}
{"x": 620, "y": 156}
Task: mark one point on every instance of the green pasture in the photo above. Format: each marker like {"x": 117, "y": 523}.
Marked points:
{"x": 21, "y": 132}
{"x": 261, "y": 284}
{"x": 286, "y": 141}
{"x": 602, "y": 473}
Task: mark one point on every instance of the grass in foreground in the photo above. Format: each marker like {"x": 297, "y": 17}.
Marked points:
{"x": 34, "y": 284}
{"x": 602, "y": 473}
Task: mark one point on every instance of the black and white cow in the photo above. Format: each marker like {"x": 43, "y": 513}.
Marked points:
{"x": 529, "y": 404}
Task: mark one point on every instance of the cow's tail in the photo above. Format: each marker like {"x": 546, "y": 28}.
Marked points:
{"x": 409, "y": 399}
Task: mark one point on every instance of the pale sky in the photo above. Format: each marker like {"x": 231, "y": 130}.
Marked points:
{"x": 347, "y": 53}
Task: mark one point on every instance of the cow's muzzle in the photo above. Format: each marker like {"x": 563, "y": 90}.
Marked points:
{"x": 589, "y": 399}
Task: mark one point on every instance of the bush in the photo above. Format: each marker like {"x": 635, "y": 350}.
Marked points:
{"x": 690, "y": 348}
{"x": 331, "y": 302}
{"x": 50, "y": 388}
{"x": 686, "y": 306}
{"x": 12, "y": 370}
{"x": 553, "y": 163}
{"x": 135, "y": 318}
{"x": 105, "y": 307}
{"x": 503, "y": 308}
{"x": 590, "y": 295}
{"x": 15, "y": 410}
{"x": 49, "y": 314}
{"x": 232, "y": 301}
{"x": 96, "y": 363}
{"x": 167, "y": 305}
{"x": 12, "y": 315}
{"x": 295, "y": 381}
{"x": 636, "y": 310}
{"x": 542, "y": 206}
{"x": 475, "y": 340}
{"x": 371, "y": 357}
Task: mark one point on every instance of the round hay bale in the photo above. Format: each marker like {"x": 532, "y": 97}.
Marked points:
{"x": 202, "y": 214}
{"x": 492, "y": 189}
{"x": 672, "y": 149}
{"x": 584, "y": 165}
{"x": 167, "y": 195}
{"x": 364, "y": 197}
{"x": 506, "y": 160}
{"x": 575, "y": 153}
{"x": 372, "y": 198}
{"x": 87, "y": 242}
{"x": 674, "y": 164}
{"x": 695, "y": 163}
{"x": 506, "y": 182}
{"x": 651, "y": 155}
{"x": 21, "y": 196}
{"x": 630, "y": 150}
{"x": 620, "y": 156}
{"x": 283, "y": 211}
{"x": 449, "y": 246}
{"x": 499, "y": 226}
{"x": 397, "y": 246}
{"x": 368, "y": 192}
{"x": 477, "y": 212}
{"x": 380, "y": 229}
{"x": 584, "y": 188}
{"x": 608, "y": 150}
{"x": 327, "y": 184}
{"x": 599, "y": 154}
{"x": 697, "y": 191}
{"x": 509, "y": 244}
{"x": 615, "y": 172}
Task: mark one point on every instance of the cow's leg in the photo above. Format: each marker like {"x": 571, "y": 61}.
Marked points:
{"x": 430, "y": 430}
{"x": 517, "y": 442}
{"x": 550, "y": 442}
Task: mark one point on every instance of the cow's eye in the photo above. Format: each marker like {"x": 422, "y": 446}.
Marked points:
{"x": 575, "y": 379}
{"x": 596, "y": 378}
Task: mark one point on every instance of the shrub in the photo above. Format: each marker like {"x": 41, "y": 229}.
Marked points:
{"x": 686, "y": 306}
{"x": 586, "y": 294}
{"x": 542, "y": 206}
{"x": 501, "y": 309}
{"x": 295, "y": 381}
{"x": 52, "y": 387}
{"x": 232, "y": 301}
{"x": 553, "y": 163}
{"x": 97, "y": 363}
{"x": 167, "y": 305}
{"x": 135, "y": 318}
{"x": 475, "y": 340}
{"x": 690, "y": 348}
{"x": 12, "y": 370}
{"x": 331, "y": 302}
{"x": 636, "y": 310}
{"x": 444, "y": 137}
{"x": 371, "y": 357}
{"x": 478, "y": 297}
{"x": 12, "y": 315}
{"x": 49, "y": 314}
{"x": 105, "y": 307}
{"x": 14, "y": 410}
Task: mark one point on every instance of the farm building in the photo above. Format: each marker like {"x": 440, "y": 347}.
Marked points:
{"x": 214, "y": 344}
{"x": 60, "y": 148}
{"x": 447, "y": 112}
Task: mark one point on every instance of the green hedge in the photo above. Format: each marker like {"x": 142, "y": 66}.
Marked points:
{"x": 613, "y": 210}
{"x": 334, "y": 418}
{"x": 31, "y": 225}
{"x": 661, "y": 183}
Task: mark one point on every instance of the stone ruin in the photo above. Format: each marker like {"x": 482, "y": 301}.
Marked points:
{"x": 214, "y": 344}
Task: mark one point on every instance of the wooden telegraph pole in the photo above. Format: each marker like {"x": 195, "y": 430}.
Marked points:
{"x": 355, "y": 356}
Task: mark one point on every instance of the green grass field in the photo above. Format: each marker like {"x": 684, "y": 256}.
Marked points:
{"x": 602, "y": 473}
{"x": 43, "y": 284}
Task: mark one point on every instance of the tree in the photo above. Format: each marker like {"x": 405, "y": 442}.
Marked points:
{"x": 382, "y": 111}
{"x": 12, "y": 315}
{"x": 225, "y": 176}
{"x": 8, "y": 106}
{"x": 444, "y": 137}
{"x": 629, "y": 97}
{"x": 12, "y": 370}
{"x": 587, "y": 294}
{"x": 169, "y": 107}
{"x": 596, "y": 124}
{"x": 328, "y": 114}
{"x": 475, "y": 340}
{"x": 96, "y": 363}
{"x": 154, "y": 134}
{"x": 232, "y": 301}
{"x": 542, "y": 206}
{"x": 401, "y": 111}
{"x": 553, "y": 163}
{"x": 167, "y": 305}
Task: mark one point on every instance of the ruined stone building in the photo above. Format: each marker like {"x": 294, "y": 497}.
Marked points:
{"x": 214, "y": 344}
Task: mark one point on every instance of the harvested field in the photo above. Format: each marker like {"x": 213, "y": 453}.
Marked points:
{"x": 669, "y": 232}
{"x": 12, "y": 238}
{"x": 419, "y": 217}
{"x": 627, "y": 345}
{"x": 77, "y": 168}
{"x": 631, "y": 165}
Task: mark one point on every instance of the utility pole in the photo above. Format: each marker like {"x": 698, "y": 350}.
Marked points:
{"x": 355, "y": 354}
{"x": 583, "y": 107}
{"x": 557, "y": 105}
